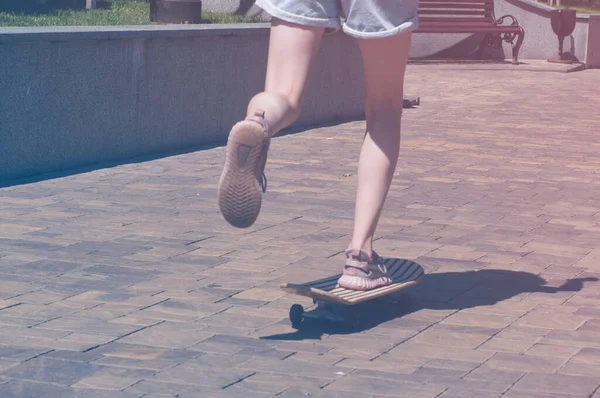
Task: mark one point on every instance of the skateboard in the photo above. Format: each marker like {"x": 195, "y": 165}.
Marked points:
{"x": 333, "y": 303}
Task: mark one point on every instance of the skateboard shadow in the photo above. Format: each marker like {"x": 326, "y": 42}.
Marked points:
{"x": 440, "y": 291}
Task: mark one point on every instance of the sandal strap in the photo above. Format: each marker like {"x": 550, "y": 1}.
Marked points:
{"x": 364, "y": 265}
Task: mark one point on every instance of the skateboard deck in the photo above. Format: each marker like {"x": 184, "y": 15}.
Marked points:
{"x": 328, "y": 295}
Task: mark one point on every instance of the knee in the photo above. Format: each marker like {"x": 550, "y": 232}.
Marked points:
{"x": 385, "y": 100}
{"x": 392, "y": 105}
{"x": 384, "y": 111}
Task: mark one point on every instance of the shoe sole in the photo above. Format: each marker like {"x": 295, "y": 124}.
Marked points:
{"x": 363, "y": 284}
{"x": 239, "y": 192}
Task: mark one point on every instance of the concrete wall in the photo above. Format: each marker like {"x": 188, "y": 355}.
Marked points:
{"x": 592, "y": 59}
{"x": 72, "y": 96}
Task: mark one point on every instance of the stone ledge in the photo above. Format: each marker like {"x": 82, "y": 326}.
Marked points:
{"x": 72, "y": 33}
{"x": 547, "y": 8}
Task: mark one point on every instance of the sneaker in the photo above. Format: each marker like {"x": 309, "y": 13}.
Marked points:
{"x": 243, "y": 182}
{"x": 363, "y": 272}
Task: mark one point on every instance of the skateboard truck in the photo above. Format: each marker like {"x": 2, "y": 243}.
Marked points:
{"x": 330, "y": 312}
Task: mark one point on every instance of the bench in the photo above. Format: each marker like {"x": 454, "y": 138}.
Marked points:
{"x": 471, "y": 16}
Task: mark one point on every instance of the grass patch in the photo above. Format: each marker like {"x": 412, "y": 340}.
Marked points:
{"x": 119, "y": 12}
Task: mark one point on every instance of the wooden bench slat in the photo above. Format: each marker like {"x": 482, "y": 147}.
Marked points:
{"x": 458, "y": 21}
{"x": 453, "y": 6}
{"x": 453, "y": 12}
{"x": 426, "y": 2}
{"x": 456, "y": 28}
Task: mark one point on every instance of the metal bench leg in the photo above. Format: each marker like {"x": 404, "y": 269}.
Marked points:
{"x": 517, "y": 46}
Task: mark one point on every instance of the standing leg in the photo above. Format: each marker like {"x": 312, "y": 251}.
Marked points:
{"x": 385, "y": 65}
{"x": 385, "y": 62}
{"x": 292, "y": 49}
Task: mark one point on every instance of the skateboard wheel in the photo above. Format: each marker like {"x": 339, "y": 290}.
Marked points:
{"x": 296, "y": 315}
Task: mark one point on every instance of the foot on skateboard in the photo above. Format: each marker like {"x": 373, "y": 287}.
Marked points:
{"x": 333, "y": 301}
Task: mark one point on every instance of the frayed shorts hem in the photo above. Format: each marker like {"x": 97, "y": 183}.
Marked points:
{"x": 335, "y": 24}
{"x": 406, "y": 26}
{"x": 276, "y": 12}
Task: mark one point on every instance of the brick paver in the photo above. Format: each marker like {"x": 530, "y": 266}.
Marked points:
{"x": 125, "y": 282}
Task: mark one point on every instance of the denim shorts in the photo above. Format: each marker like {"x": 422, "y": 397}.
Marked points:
{"x": 363, "y": 19}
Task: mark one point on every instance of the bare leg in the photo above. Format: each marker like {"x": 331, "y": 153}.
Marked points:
{"x": 384, "y": 64}
{"x": 292, "y": 49}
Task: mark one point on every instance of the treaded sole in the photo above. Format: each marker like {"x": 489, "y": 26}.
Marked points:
{"x": 239, "y": 192}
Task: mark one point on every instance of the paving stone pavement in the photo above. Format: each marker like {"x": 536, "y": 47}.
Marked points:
{"x": 126, "y": 282}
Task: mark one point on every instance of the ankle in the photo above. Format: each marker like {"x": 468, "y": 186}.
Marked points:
{"x": 366, "y": 246}
{"x": 362, "y": 252}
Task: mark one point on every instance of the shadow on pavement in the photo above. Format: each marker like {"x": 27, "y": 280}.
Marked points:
{"x": 105, "y": 164}
{"x": 108, "y": 164}
{"x": 441, "y": 291}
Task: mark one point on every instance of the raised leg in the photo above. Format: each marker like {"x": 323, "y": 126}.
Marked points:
{"x": 292, "y": 49}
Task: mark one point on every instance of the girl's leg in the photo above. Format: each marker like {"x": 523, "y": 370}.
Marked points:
{"x": 385, "y": 62}
{"x": 384, "y": 65}
{"x": 292, "y": 49}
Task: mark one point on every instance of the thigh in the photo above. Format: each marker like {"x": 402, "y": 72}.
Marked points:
{"x": 379, "y": 18}
{"x": 321, "y": 13}
{"x": 385, "y": 62}
{"x": 292, "y": 49}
